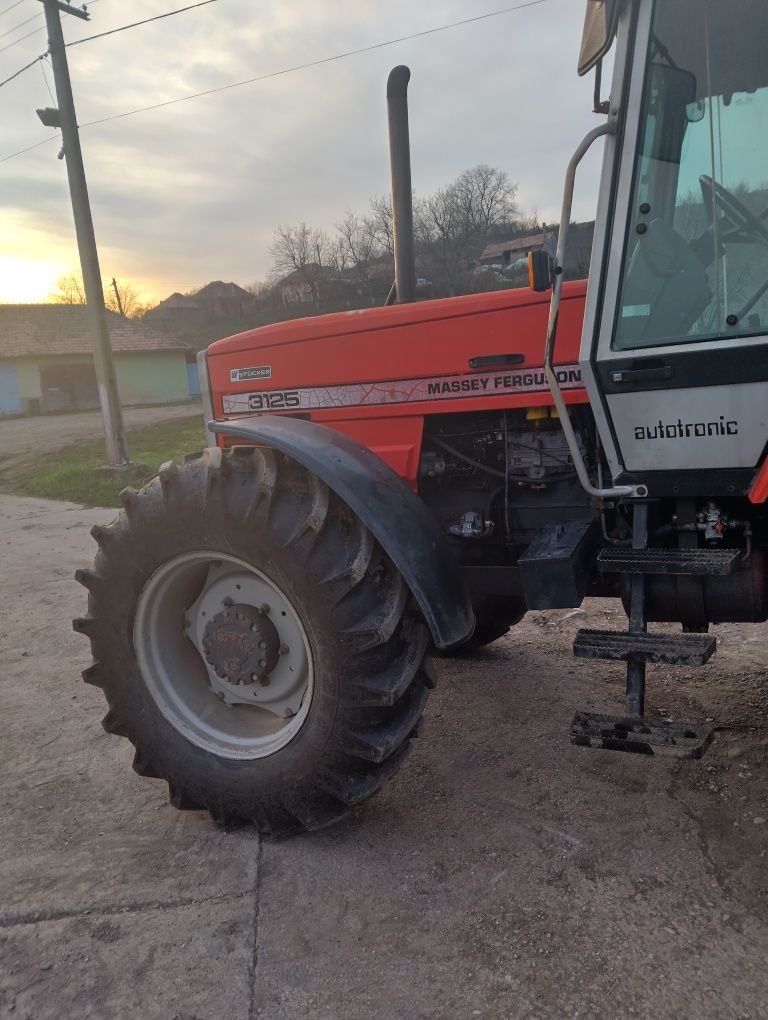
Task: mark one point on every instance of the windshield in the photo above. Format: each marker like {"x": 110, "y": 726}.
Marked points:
{"x": 696, "y": 255}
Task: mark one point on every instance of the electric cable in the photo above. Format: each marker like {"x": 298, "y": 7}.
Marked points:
{"x": 20, "y": 39}
{"x": 45, "y": 78}
{"x": 284, "y": 71}
{"x": 21, "y": 24}
{"x": 135, "y": 24}
{"x": 5, "y": 10}
{"x": 29, "y": 148}
{"x": 35, "y": 31}
{"x": 315, "y": 63}
{"x": 20, "y": 71}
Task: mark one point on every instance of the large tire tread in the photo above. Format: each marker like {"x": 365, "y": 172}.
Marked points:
{"x": 382, "y": 641}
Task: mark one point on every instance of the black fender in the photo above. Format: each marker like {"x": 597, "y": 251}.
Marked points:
{"x": 394, "y": 514}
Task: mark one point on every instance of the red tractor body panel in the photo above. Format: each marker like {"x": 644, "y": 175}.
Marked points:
{"x": 374, "y": 374}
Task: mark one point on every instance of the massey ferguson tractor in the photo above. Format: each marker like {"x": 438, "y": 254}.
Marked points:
{"x": 386, "y": 482}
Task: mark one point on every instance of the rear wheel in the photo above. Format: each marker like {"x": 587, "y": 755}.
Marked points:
{"x": 254, "y": 642}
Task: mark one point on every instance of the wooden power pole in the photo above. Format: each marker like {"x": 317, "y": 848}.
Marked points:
{"x": 114, "y": 430}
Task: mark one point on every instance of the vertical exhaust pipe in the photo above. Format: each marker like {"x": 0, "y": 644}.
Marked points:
{"x": 404, "y": 289}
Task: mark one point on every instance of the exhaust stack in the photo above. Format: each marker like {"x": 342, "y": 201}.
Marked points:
{"x": 404, "y": 289}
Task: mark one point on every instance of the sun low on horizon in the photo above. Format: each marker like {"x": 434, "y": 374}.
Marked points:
{"x": 29, "y": 280}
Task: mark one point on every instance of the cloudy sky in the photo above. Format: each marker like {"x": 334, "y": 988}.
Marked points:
{"x": 191, "y": 192}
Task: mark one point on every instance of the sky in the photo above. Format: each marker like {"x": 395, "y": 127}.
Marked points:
{"x": 193, "y": 191}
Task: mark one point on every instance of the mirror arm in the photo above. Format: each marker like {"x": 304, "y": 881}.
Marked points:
{"x": 600, "y": 105}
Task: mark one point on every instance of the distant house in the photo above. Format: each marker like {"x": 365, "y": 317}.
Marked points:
{"x": 219, "y": 298}
{"x": 504, "y": 254}
{"x": 177, "y": 309}
{"x": 46, "y": 361}
{"x": 314, "y": 283}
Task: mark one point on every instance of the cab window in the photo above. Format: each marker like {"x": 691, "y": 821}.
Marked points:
{"x": 695, "y": 259}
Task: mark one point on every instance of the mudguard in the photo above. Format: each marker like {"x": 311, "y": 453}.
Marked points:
{"x": 397, "y": 518}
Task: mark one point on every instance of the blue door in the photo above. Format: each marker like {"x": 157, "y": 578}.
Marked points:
{"x": 10, "y": 403}
{"x": 193, "y": 380}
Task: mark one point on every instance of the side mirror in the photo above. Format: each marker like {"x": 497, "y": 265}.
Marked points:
{"x": 539, "y": 270}
{"x": 599, "y": 29}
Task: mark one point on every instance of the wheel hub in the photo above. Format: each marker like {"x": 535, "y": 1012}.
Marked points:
{"x": 224, "y": 654}
{"x": 242, "y": 645}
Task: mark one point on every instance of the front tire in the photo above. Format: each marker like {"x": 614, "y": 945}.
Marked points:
{"x": 340, "y": 725}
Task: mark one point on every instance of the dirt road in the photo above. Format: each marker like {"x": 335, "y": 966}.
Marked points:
{"x": 503, "y": 874}
{"x": 21, "y": 438}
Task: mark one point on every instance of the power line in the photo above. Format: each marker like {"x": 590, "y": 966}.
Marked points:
{"x": 21, "y": 24}
{"x": 289, "y": 70}
{"x": 29, "y": 148}
{"x": 135, "y": 24}
{"x": 5, "y": 11}
{"x": 101, "y": 35}
{"x": 20, "y": 39}
{"x": 20, "y": 71}
{"x": 315, "y": 63}
{"x": 45, "y": 79}
{"x": 35, "y": 31}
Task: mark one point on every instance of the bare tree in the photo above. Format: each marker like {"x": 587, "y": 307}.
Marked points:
{"x": 133, "y": 306}
{"x": 487, "y": 199}
{"x": 70, "y": 290}
{"x": 444, "y": 233}
{"x": 358, "y": 243}
{"x": 381, "y": 222}
{"x": 300, "y": 249}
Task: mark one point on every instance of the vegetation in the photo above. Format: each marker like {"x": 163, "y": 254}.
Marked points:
{"x": 77, "y": 473}
{"x": 70, "y": 291}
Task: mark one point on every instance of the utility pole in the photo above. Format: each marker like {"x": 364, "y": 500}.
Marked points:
{"x": 114, "y": 431}
{"x": 117, "y": 297}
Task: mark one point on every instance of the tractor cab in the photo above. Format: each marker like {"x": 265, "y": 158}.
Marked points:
{"x": 674, "y": 348}
{"x": 675, "y": 343}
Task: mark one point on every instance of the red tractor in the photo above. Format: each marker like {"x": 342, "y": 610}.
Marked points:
{"x": 382, "y": 482}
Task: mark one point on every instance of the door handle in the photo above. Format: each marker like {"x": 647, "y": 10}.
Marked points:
{"x": 641, "y": 375}
{"x": 489, "y": 360}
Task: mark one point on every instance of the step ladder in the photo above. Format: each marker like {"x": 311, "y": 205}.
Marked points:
{"x": 637, "y": 648}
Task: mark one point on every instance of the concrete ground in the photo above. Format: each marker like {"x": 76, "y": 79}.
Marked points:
{"x": 503, "y": 873}
{"x": 21, "y": 438}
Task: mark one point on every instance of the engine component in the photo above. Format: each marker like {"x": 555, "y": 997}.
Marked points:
{"x": 471, "y": 525}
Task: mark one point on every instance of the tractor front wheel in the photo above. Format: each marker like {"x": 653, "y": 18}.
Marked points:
{"x": 254, "y": 642}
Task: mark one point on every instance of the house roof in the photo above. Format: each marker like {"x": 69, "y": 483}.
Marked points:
{"x": 217, "y": 289}
{"x": 177, "y": 300}
{"x": 311, "y": 271}
{"x": 35, "y": 330}
{"x": 526, "y": 243}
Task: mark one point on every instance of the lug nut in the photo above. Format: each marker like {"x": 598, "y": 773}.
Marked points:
{"x": 265, "y": 608}
{"x": 229, "y": 601}
{"x": 283, "y": 650}
{"x": 262, "y": 645}
{"x": 262, "y": 663}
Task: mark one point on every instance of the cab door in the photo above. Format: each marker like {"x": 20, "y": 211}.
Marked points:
{"x": 676, "y": 353}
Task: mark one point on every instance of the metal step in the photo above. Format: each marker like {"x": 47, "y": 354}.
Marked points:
{"x": 674, "y": 649}
{"x": 640, "y": 736}
{"x": 700, "y": 562}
